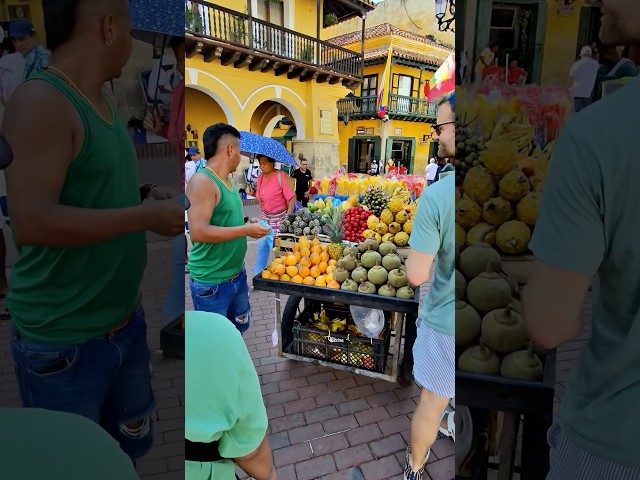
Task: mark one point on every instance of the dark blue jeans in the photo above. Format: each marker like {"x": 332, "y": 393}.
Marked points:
{"x": 229, "y": 299}
{"x": 107, "y": 380}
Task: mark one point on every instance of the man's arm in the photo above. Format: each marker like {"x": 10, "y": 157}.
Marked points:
{"x": 425, "y": 242}
{"x": 204, "y": 196}
{"x": 38, "y": 171}
{"x": 553, "y": 302}
{"x": 418, "y": 266}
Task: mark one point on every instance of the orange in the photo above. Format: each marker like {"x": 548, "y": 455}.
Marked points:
{"x": 304, "y": 271}
{"x": 331, "y": 269}
{"x": 315, "y": 259}
{"x": 324, "y": 247}
{"x": 296, "y": 247}
{"x": 266, "y": 275}
{"x": 305, "y": 252}
{"x": 315, "y": 242}
{"x": 296, "y": 279}
{"x": 279, "y": 269}
{"x": 274, "y": 277}
{"x": 333, "y": 262}
{"x": 304, "y": 242}
{"x": 317, "y": 249}
{"x": 309, "y": 281}
{"x": 290, "y": 260}
{"x": 315, "y": 271}
{"x": 320, "y": 281}
{"x": 292, "y": 270}
{"x": 278, "y": 260}
{"x": 322, "y": 266}
{"x": 333, "y": 284}
{"x": 297, "y": 255}
{"x": 306, "y": 261}
{"x": 285, "y": 278}
{"x": 328, "y": 277}
{"x": 324, "y": 256}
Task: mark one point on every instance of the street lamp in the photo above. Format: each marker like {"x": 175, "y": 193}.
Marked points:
{"x": 446, "y": 24}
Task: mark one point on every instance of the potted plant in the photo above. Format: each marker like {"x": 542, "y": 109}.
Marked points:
{"x": 330, "y": 19}
{"x": 192, "y": 20}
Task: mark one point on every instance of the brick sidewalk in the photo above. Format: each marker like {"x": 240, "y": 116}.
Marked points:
{"x": 323, "y": 422}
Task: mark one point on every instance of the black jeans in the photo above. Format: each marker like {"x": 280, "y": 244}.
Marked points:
{"x": 303, "y": 200}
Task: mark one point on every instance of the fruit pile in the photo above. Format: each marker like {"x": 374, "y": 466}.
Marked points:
{"x": 468, "y": 148}
{"x": 354, "y": 222}
{"x": 394, "y": 224}
{"x": 304, "y": 222}
{"x": 375, "y": 200}
{"x": 490, "y": 329}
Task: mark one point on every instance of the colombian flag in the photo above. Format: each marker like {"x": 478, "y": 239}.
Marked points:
{"x": 443, "y": 81}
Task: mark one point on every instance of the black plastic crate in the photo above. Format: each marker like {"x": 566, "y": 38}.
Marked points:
{"x": 172, "y": 339}
{"x": 342, "y": 348}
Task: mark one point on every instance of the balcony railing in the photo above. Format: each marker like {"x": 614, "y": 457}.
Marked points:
{"x": 221, "y": 24}
{"x": 411, "y": 106}
{"x": 398, "y": 105}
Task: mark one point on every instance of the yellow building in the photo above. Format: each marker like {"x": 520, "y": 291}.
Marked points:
{"x": 29, "y": 9}
{"x": 544, "y": 35}
{"x": 399, "y": 63}
{"x": 260, "y": 65}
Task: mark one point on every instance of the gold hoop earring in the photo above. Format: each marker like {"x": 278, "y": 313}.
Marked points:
{"x": 109, "y": 43}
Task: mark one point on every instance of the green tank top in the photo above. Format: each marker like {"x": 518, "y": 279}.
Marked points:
{"x": 214, "y": 263}
{"x": 69, "y": 295}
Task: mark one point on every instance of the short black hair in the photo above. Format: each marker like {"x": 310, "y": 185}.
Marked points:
{"x": 269, "y": 159}
{"x": 60, "y": 18}
{"x": 212, "y": 136}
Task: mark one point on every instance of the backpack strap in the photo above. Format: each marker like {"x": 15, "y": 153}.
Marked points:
{"x": 202, "y": 452}
{"x": 280, "y": 179}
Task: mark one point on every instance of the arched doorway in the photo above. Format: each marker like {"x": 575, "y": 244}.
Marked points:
{"x": 274, "y": 120}
{"x": 201, "y": 112}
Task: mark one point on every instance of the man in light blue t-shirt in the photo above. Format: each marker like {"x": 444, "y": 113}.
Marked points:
{"x": 433, "y": 237}
{"x": 587, "y": 234}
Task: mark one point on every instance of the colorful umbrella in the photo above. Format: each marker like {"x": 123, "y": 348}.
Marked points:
{"x": 252, "y": 143}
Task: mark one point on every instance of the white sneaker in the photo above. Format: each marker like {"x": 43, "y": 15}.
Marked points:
{"x": 450, "y": 430}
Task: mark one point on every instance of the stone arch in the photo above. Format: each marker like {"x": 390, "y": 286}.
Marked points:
{"x": 284, "y": 96}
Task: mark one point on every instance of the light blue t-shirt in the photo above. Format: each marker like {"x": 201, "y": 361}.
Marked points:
{"x": 434, "y": 233}
{"x": 588, "y": 223}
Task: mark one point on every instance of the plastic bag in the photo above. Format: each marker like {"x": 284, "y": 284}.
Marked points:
{"x": 368, "y": 320}
{"x": 265, "y": 244}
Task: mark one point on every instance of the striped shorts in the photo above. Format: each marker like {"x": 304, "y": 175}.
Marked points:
{"x": 434, "y": 361}
{"x": 567, "y": 460}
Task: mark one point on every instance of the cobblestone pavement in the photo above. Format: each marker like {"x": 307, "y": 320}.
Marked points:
{"x": 322, "y": 421}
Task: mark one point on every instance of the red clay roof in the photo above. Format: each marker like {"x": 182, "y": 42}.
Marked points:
{"x": 379, "y": 31}
{"x": 381, "y": 52}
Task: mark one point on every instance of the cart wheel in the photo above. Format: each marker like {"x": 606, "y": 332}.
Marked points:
{"x": 289, "y": 315}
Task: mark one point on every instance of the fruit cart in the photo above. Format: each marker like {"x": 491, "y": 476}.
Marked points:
{"x": 385, "y": 363}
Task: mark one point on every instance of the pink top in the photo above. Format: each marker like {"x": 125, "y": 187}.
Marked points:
{"x": 273, "y": 199}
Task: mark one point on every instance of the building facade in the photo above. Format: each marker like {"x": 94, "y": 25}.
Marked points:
{"x": 262, "y": 67}
{"x": 397, "y": 64}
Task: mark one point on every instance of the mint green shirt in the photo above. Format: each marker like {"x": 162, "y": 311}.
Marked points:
{"x": 223, "y": 400}
{"x": 38, "y": 444}
{"x": 434, "y": 233}
{"x": 588, "y": 224}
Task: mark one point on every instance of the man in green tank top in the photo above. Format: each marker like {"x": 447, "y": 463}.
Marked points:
{"x": 79, "y": 333}
{"x": 216, "y": 224}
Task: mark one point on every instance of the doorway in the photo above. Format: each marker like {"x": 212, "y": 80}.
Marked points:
{"x": 589, "y": 29}
{"x": 402, "y": 151}
{"x": 362, "y": 151}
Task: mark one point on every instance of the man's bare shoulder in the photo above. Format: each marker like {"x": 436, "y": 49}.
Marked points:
{"x": 36, "y": 101}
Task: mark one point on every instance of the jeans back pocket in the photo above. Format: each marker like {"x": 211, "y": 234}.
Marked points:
{"x": 52, "y": 362}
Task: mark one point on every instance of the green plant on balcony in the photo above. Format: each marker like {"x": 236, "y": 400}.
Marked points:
{"x": 192, "y": 20}
{"x": 238, "y": 31}
{"x": 330, "y": 19}
{"x": 307, "y": 54}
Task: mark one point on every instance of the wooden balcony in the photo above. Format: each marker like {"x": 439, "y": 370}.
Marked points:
{"x": 234, "y": 38}
{"x": 398, "y": 107}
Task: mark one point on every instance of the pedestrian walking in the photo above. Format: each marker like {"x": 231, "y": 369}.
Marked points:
{"x": 218, "y": 279}
{"x": 431, "y": 171}
{"x": 78, "y": 326}
{"x": 433, "y": 238}
{"x": 303, "y": 178}
{"x": 583, "y": 78}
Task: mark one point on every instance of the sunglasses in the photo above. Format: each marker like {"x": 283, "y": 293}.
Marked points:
{"x": 438, "y": 127}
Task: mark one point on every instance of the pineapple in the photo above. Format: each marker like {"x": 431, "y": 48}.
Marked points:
{"x": 336, "y": 233}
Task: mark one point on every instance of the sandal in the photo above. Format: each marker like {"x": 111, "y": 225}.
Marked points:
{"x": 409, "y": 474}
{"x": 450, "y": 431}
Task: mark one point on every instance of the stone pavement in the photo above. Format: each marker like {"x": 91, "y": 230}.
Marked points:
{"x": 322, "y": 421}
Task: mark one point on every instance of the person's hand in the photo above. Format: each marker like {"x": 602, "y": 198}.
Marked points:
{"x": 161, "y": 193}
{"x": 165, "y": 217}
{"x": 255, "y": 230}
{"x": 253, "y": 220}
{"x": 306, "y": 194}
{"x": 152, "y": 122}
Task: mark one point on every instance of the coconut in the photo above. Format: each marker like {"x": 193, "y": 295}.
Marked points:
{"x": 349, "y": 262}
{"x": 503, "y": 330}
{"x": 391, "y": 261}
{"x": 367, "y": 287}
{"x": 406, "y": 293}
{"x": 522, "y": 365}
{"x": 398, "y": 278}
{"x": 479, "y": 359}
{"x": 474, "y": 259}
{"x": 350, "y": 285}
{"x": 387, "y": 291}
{"x": 481, "y": 233}
{"x": 377, "y": 275}
{"x": 461, "y": 285}
{"x": 468, "y": 324}
{"x": 341, "y": 274}
{"x": 350, "y": 250}
{"x": 386, "y": 248}
{"x": 359, "y": 274}
{"x": 488, "y": 291}
{"x": 364, "y": 246}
